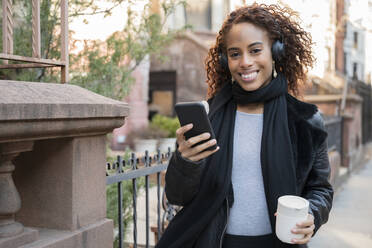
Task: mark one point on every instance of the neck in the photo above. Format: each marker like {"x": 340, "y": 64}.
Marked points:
{"x": 251, "y": 108}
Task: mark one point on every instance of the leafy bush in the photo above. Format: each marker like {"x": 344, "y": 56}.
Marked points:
{"x": 168, "y": 124}
{"x": 151, "y": 132}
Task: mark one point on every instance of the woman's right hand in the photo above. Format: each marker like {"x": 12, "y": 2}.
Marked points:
{"x": 196, "y": 153}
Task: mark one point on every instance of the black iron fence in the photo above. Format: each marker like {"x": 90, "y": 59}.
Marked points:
{"x": 365, "y": 91}
{"x": 333, "y": 126}
{"x": 132, "y": 169}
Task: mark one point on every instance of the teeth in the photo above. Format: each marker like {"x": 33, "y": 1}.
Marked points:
{"x": 249, "y": 76}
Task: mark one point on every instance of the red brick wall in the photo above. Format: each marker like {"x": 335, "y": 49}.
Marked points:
{"x": 137, "y": 100}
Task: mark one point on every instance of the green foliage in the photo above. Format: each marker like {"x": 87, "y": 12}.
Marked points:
{"x": 127, "y": 201}
{"x": 103, "y": 67}
{"x": 168, "y": 124}
{"x": 103, "y": 74}
{"x": 108, "y": 69}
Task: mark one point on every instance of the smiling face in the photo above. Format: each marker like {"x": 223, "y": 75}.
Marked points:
{"x": 249, "y": 56}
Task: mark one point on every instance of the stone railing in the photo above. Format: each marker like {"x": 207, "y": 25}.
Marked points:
{"x": 52, "y": 157}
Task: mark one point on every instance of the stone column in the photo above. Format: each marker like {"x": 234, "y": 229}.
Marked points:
{"x": 10, "y": 202}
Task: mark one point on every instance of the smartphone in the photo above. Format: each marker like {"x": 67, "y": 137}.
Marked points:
{"x": 195, "y": 113}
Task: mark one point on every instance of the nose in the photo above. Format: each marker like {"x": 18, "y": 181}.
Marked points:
{"x": 246, "y": 61}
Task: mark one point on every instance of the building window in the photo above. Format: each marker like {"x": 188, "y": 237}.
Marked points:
{"x": 355, "y": 70}
{"x": 199, "y": 14}
{"x": 337, "y": 66}
{"x": 345, "y": 30}
{"x": 355, "y": 40}
{"x": 345, "y": 63}
{"x": 329, "y": 61}
{"x": 370, "y": 11}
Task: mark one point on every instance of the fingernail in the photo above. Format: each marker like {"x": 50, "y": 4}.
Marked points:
{"x": 213, "y": 141}
{"x": 190, "y": 125}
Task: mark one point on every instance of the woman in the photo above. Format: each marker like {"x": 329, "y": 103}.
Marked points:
{"x": 269, "y": 143}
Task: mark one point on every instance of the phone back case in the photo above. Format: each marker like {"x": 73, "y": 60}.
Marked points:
{"x": 194, "y": 112}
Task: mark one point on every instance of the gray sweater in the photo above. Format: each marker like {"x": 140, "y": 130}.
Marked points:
{"x": 249, "y": 213}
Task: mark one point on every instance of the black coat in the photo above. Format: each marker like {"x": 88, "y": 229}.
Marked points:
{"x": 312, "y": 174}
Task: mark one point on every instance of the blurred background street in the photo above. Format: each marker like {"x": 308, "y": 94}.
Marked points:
{"x": 349, "y": 224}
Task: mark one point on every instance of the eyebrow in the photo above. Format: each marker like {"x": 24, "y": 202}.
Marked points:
{"x": 250, "y": 45}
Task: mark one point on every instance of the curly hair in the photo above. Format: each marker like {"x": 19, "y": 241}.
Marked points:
{"x": 280, "y": 25}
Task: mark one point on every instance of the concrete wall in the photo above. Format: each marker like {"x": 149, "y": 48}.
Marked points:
{"x": 52, "y": 165}
{"x": 137, "y": 100}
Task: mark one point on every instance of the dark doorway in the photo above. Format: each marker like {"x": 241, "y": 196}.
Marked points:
{"x": 162, "y": 93}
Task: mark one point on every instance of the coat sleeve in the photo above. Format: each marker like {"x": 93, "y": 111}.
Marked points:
{"x": 318, "y": 189}
{"x": 182, "y": 179}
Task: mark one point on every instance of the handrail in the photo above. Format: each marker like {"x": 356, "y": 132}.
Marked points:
{"x": 36, "y": 60}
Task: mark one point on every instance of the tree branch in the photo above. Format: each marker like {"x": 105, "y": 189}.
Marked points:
{"x": 105, "y": 11}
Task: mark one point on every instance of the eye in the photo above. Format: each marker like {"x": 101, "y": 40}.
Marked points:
{"x": 256, "y": 50}
{"x": 233, "y": 54}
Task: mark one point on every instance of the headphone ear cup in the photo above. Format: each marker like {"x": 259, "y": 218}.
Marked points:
{"x": 277, "y": 51}
{"x": 223, "y": 61}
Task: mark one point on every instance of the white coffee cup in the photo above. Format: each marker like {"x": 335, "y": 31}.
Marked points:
{"x": 291, "y": 210}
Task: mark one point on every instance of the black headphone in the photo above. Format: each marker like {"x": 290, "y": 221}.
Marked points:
{"x": 277, "y": 52}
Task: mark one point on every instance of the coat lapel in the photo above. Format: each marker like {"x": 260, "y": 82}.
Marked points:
{"x": 301, "y": 134}
{"x": 305, "y": 137}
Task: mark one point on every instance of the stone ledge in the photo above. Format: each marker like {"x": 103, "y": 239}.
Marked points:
{"x": 97, "y": 235}
{"x": 31, "y": 101}
{"x": 12, "y": 131}
{"x": 29, "y": 235}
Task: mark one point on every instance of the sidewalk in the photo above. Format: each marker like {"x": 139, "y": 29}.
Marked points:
{"x": 350, "y": 220}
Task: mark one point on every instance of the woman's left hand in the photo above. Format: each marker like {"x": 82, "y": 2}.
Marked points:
{"x": 305, "y": 227}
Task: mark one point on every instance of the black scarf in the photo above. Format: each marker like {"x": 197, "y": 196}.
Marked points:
{"x": 276, "y": 160}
